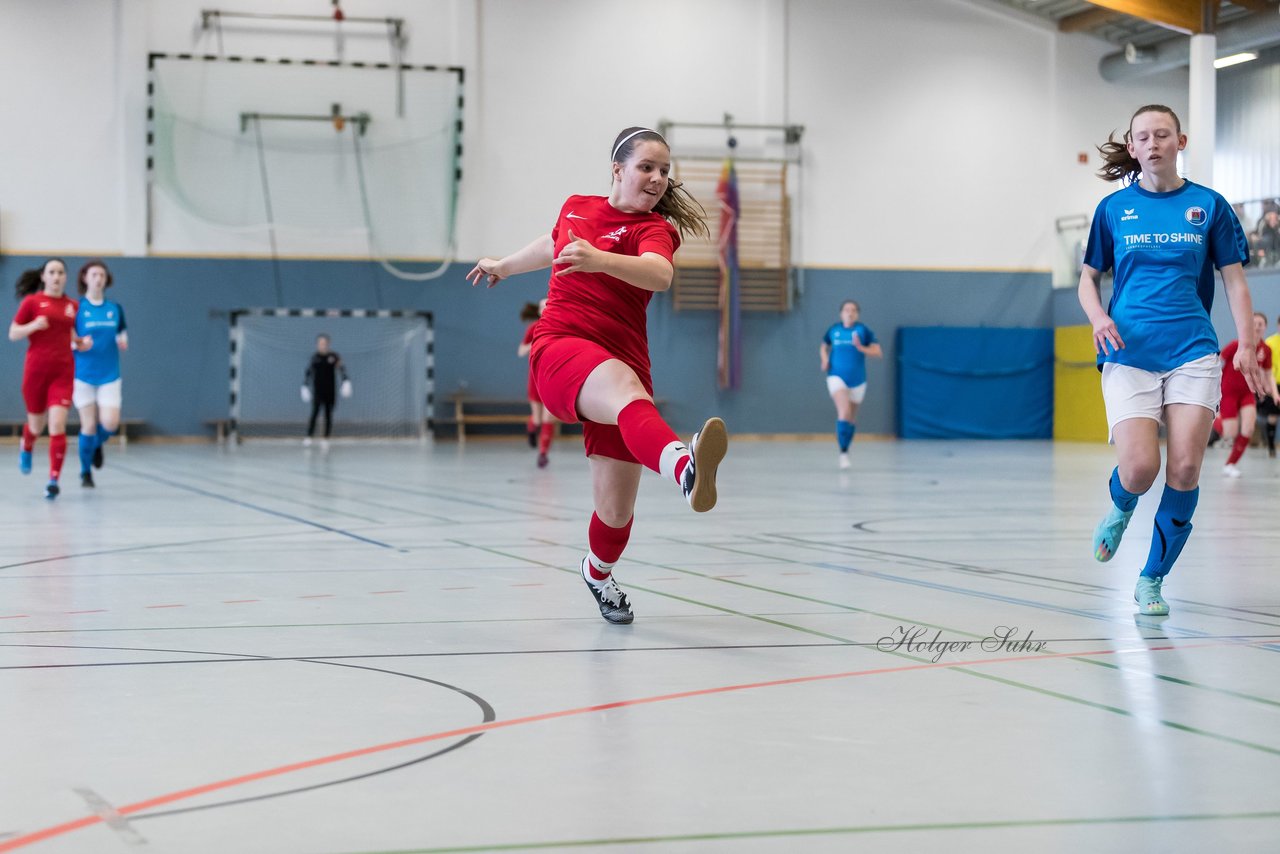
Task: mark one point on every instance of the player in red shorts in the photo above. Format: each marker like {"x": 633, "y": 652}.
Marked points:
{"x": 47, "y": 319}
{"x": 1238, "y": 412}
{"x": 590, "y": 357}
{"x": 542, "y": 424}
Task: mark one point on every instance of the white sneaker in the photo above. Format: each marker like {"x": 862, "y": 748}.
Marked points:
{"x": 306, "y": 443}
{"x": 844, "y": 461}
{"x": 1231, "y": 470}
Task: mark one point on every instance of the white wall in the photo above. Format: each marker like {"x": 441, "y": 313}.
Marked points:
{"x": 939, "y": 133}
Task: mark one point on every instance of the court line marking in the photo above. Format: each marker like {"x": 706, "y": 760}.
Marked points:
{"x": 830, "y": 831}
{"x": 56, "y": 830}
{"x": 267, "y": 510}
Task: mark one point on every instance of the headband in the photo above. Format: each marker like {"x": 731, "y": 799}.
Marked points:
{"x": 623, "y": 141}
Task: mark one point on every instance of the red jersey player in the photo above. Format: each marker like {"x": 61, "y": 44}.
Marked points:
{"x": 590, "y": 357}
{"x": 542, "y": 424}
{"x": 1238, "y": 412}
{"x": 47, "y": 319}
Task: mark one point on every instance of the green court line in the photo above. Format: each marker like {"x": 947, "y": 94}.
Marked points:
{"x": 1184, "y": 682}
{"x": 964, "y": 670}
{"x": 794, "y": 833}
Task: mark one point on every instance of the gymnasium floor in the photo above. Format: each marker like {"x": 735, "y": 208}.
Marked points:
{"x": 389, "y": 649}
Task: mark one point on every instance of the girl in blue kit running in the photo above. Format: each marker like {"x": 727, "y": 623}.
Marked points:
{"x": 97, "y": 391}
{"x": 843, "y": 355}
{"x": 1157, "y": 350}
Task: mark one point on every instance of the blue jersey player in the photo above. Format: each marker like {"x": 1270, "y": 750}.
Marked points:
{"x": 1163, "y": 236}
{"x": 97, "y": 392}
{"x": 843, "y": 354}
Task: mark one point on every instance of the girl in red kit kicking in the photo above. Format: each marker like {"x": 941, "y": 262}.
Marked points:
{"x": 590, "y": 357}
{"x": 47, "y": 319}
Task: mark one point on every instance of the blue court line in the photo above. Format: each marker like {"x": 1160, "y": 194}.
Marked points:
{"x": 197, "y": 490}
{"x": 1013, "y": 600}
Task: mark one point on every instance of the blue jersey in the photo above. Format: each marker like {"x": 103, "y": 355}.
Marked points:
{"x": 847, "y": 361}
{"x": 1164, "y": 248}
{"x": 100, "y": 364}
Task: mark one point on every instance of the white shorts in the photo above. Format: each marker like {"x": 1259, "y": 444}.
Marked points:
{"x": 107, "y": 395}
{"x": 1134, "y": 393}
{"x": 856, "y": 394}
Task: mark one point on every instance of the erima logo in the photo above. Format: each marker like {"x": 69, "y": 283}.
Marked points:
{"x": 572, "y": 215}
{"x": 615, "y": 235}
{"x": 69, "y": 311}
{"x": 1196, "y": 216}
{"x": 1128, "y": 215}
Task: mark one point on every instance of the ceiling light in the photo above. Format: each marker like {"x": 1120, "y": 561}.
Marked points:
{"x": 1235, "y": 59}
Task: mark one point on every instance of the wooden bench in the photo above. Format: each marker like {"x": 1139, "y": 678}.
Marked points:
{"x": 492, "y": 411}
{"x": 14, "y": 428}
{"x": 474, "y": 411}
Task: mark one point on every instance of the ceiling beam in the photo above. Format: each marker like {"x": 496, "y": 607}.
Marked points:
{"x": 1183, "y": 16}
{"x": 1087, "y": 20}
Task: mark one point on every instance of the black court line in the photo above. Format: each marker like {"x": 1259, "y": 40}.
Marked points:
{"x": 236, "y": 658}
{"x": 260, "y": 509}
{"x": 487, "y": 712}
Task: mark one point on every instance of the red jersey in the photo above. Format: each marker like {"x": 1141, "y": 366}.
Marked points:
{"x": 50, "y": 346}
{"x": 596, "y": 306}
{"x": 1231, "y": 377}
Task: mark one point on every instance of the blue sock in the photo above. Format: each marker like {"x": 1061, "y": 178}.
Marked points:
{"x": 1173, "y": 526}
{"x": 104, "y": 434}
{"x": 86, "y": 443}
{"x": 1121, "y": 497}
{"x": 844, "y": 434}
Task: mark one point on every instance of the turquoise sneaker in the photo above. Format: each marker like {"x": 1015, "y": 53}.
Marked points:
{"x": 24, "y": 461}
{"x": 1106, "y": 537}
{"x": 1147, "y": 595}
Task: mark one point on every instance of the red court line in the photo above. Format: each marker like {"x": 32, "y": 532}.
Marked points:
{"x": 15, "y": 617}
{"x": 231, "y": 782}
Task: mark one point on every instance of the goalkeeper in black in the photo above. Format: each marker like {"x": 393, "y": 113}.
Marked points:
{"x": 320, "y": 386}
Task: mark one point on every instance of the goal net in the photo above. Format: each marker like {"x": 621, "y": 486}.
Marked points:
{"x": 386, "y": 355}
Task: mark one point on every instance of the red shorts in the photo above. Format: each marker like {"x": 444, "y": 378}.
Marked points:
{"x": 1235, "y": 398}
{"x": 45, "y": 385}
{"x": 559, "y": 366}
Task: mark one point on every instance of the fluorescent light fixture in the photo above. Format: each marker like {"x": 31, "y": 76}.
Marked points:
{"x": 1235, "y": 59}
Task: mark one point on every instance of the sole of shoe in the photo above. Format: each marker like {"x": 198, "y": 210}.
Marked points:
{"x": 713, "y": 443}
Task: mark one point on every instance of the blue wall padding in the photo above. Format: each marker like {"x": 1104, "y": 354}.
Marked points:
{"x": 975, "y": 383}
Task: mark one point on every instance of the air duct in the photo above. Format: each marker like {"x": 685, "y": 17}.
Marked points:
{"x": 1254, "y": 33}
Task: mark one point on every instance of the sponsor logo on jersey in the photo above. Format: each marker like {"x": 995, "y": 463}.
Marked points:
{"x": 1196, "y": 215}
{"x": 1128, "y": 215}
{"x": 615, "y": 235}
{"x": 69, "y": 310}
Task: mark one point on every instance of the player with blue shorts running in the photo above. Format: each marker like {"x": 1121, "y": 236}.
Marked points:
{"x": 97, "y": 392}
{"x": 843, "y": 355}
{"x": 1157, "y": 350}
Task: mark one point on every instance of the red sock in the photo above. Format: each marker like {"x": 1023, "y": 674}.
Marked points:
{"x": 606, "y": 546}
{"x": 647, "y": 435}
{"x": 1237, "y": 449}
{"x": 57, "y": 453}
{"x": 529, "y": 426}
{"x": 28, "y": 438}
{"x": 544, "y": 438}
